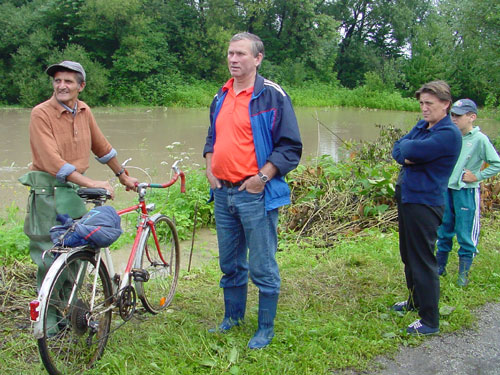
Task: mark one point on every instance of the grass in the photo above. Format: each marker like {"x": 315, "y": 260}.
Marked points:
{"x": 332, "y": 315}
{"x": 324, "y": 95}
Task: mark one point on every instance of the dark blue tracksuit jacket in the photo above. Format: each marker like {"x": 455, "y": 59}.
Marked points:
{"x": 434, "y": 152}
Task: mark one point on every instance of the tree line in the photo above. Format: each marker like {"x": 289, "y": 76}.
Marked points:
{"x": 144, "y": 51}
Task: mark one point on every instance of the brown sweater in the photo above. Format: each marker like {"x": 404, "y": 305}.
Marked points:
{"x": 58, "y": 138}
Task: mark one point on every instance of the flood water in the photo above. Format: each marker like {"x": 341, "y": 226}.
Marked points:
{"x": 155, "y": 137}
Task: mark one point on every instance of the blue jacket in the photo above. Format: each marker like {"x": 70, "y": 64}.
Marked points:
{"x": 99, "y": 227}
{"x": 275, "y": 133}
{"x": 434, "y": 152}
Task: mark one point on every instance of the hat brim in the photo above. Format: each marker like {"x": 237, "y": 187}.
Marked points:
{"x": 460, "y": 111}
{"x": 53, "y": 69}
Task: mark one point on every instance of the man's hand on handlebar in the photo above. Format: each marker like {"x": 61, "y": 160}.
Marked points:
{"x": 130, "y": 183}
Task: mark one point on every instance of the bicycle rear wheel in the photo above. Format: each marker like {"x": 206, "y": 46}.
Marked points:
{"x": 75, "y": 325}
{"x": 160, "y": 257}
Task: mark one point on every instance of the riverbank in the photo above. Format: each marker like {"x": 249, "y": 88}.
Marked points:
{"x": 318, "y": 95}
{"x": 315, "y": 94}
{"x": 333, "y": 314}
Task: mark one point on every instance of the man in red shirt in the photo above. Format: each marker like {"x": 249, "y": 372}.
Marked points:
{"x": 252, "y": 143}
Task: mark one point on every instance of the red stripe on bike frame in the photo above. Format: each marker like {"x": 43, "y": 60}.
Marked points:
{"x": 134, "y": 249}
{"x": 91, "y": 233}
{"x": 129, "y": 209}
{"x": 138, "y": 234}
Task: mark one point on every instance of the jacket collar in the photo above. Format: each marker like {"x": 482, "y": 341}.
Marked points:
{"x": 258, "y": 85}
{"x": 60, "y": 109}
{"x": 474, "y": 130}
{"x": 446, "y": 120}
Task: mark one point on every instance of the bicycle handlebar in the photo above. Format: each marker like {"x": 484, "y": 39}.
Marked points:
{"x": 178, "y": 173}
{"x": 99, "y": 195}
{"x": 176, "y": 176}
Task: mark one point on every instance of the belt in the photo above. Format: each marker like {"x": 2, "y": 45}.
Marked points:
{"x": 230, "y": 184}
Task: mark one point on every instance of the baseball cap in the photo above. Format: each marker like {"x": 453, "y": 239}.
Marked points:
{"x": 71, "y": 65}
{"x": 463, "y": 106}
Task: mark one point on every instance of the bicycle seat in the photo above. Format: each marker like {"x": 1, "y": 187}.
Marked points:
{"x": 94, "y": 194}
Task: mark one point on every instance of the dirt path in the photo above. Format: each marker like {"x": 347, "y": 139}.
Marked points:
{"x": 467, "y": 352}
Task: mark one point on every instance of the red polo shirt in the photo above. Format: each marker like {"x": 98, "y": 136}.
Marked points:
{"x": 234, "y": 150}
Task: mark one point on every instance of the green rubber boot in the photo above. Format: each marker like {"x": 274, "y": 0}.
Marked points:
{"x": 463, "y": 271}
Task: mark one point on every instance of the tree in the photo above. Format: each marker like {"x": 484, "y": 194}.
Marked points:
{"x": 372, "y": 32}
{"x": 431, "y": 54}
{"x": 475, "y": 25}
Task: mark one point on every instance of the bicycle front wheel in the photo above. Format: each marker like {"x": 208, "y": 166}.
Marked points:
{"x": 160, "y": 258}
{"x": 76, "y": 319}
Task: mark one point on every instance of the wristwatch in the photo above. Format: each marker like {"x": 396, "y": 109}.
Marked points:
{"x": 263, "y": 177}
{"x": 122, "y": 171}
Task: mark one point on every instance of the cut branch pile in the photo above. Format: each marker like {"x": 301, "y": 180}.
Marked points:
{"x": 333, "y": 212}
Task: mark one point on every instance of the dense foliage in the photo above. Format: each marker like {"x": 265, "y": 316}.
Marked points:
{"x": 150, "y": 51}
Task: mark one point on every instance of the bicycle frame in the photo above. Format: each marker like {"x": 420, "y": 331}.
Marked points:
{"x": 145, "y": 224}
{"x": 144, "y": 221}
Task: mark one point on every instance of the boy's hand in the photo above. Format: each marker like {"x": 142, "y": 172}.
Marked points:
{"x": 468, "y": 176}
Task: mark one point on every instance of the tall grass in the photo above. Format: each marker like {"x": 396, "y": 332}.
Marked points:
{"x": 333, "y": 314}
{"x": 13, "y": 242}
{"x": 324, "y": 95}
{"x": 313, "y": 94}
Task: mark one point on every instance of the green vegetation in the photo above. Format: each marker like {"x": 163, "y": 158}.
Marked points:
{"x": 366, "y": 96}
{"x": 333, "y": 314}
{"x": 151, "y": 52}
{"x": 13, "y": 242}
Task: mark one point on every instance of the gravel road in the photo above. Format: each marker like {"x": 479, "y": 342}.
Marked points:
{"x": 468, "y": 352}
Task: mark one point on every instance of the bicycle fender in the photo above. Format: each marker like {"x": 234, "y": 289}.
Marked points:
{"x": 45, "y": 289}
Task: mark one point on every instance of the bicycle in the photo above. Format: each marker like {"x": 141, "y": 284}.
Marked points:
{"x": 73, "y": 311}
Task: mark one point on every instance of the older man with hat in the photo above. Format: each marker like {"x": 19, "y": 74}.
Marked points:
{"x": 461, "y": 215}
{"x": 63, "y": 132}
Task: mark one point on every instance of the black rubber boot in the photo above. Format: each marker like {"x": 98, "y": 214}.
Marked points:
{"x": 442, "y": 260}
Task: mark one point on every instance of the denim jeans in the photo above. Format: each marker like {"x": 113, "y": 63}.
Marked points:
{"x": 248, "y": 240}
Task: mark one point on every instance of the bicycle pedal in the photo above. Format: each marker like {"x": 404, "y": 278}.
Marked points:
{"x": 140, "y": 275}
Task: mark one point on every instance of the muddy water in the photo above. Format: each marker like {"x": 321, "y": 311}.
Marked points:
{"x": 155, "y": 137}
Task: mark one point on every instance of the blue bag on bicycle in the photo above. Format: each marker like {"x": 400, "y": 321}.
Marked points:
{"x": 99, "y": 227}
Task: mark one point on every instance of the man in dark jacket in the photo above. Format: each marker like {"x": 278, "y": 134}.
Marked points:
{"x": 252, "y": 143}
{"x": 427, "y": 155}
